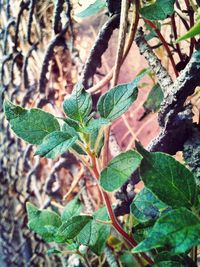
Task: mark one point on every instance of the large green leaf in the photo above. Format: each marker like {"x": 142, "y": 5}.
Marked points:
{"x": 78, "y": 105}
{"x": 73, "y": 208}
{"x": 160, "y": 10}
{"x": 195, "y": 30}
{"x": 117, "y": 100}
{"x": 146, "y": 206}
{"x": 168, "y": 179}
{"x": 119, "y": 169}
{"x": 31, "y": 125}
{"x": 45, "y": 223}
{"x": 55, "y": 144}
{"x": 92, "y": 8}
{"x": 178, "y": 229}
{"x": 71, "y": 228}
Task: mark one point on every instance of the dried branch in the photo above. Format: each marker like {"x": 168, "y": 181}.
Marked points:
{"x": 101, "y": 44}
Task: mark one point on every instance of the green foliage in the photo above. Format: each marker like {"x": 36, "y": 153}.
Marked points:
{"x": 103, "y": 231}
{"x": 71, "y": 228}
{"x": 146, "y": 206}
{"x": 30, "y": 125}
{"x": 168, "y": 179}
{"x": 154, "y": 99}
{"x": 92, "y": 9}
{"x": 73, "y": 208}
{"x": 127, "y": 260}
{"x": 78, "y": 105}
{"x": 178, "y": 230}
{"x": 55, "y": 144}
{"x": 119, "y": 170}
{"x": 117, "y": 100}
{"x": 45, "y": 223}
{"x": 160, "y": 10}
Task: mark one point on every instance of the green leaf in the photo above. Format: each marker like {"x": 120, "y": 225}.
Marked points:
{"x": 128, "y": 260}
{"x": 89, "y": 234}
{"x": 53, "y": 251}
{"x": 92, "y": 8}
{"x": 165, "y": 259}
{"x": 78, "y": 105}
{"x": 73, "y": 208}
{"x": 146, "y": 206}
{"x": 195, "y": 30}
{"x": 30, "y": 125}
{"x": 71, "y": 228}
{"x": 154, "y": 99}
{"x": 95, "y": 124}
{"x": 103, "y": 230}
{"x": 117, "y": 100}
{"x": 73, "y": 124}
{"x": 71, "y": 131}
{"x": 119, "y": 169}
{"x": 142, "y": 230}
{"x": 178, "y": 229}
{"x": 43, "y": 222}
{"x": 160, "y": 10}
{"x": 55, "y": 144}
{"x": 168, "y": 179}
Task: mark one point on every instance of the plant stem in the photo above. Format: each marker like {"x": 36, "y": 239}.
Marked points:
{"x": 176, "y": 37}
{"x": 84, "y": 257}
{"x": 115, "y": 223}
{"x": 162, "y": 39}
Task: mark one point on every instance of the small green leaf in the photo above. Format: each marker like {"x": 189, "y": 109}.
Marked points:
{"x": 178, "y": 229}
{"x": 92, "y": 8}
{"x": 30, "y": 125}
{"x": 89, "y": 234}
{"x": 55, "y": 144}
{"x": 195, "y": 30}
{"x": 71, "y": 131}
{"x": 160, "y": 10}
{"x": 95, "y": 124}
{"x": 73, "y": 124}
{"x": 168, "y": 179}
{"x": 128, "y": 260}
{"x": 117, "y": 100}
{"x": 53, "y": 251}
{"x": 146, "y": 206}
{"x": 71, "y": 228}
{"x": 103, "y": 230}
{"x": 73, "y": 208}
{"x": 119, "y": 169}
{"x": 45, "y": 223}
{"x": 78, "y": 105}
{"x": 154, "y": 99}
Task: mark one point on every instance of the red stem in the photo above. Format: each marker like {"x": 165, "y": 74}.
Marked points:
{"x": 176, "y": 36}
{"x": 162, "y": 39}
{"x": 115, "y": 223}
